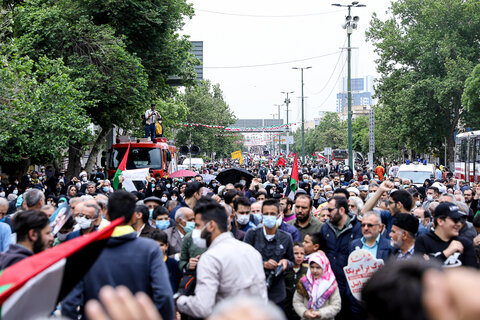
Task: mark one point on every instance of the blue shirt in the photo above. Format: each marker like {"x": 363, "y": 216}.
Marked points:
{"x": 372, "y": 249}
{"x": 5, "y": 236}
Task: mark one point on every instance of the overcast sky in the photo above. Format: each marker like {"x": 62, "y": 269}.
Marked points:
{"x": 246, "y": 33}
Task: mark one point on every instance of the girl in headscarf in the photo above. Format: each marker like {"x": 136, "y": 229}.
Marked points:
{"x": 317, "y": 295}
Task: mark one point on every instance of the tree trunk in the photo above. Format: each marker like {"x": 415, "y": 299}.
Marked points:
{"x": 74, "y": 156}
{"x": 92, "y": 158}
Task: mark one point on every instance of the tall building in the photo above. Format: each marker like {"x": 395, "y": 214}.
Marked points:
{"x": 362, "y": 92}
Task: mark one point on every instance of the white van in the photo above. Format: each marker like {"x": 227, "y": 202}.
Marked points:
{"x": 196, "y": 162}
{"x": 417, "y": 172}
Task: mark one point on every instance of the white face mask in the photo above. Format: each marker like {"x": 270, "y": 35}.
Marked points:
{"x": 164, "y": 199}
{"x": 418, "y": 203}
{"x": 78, "y": 185}
{"x": 62, "y": 236}
{"x": 197, "y": 240}
{"x": 15, "y": 191}
{"x": 168, "y": 186}
{"x": 243, "y": 219}
{"x": 84, "y": 179}
{"x": 243, "y": 182}
{"x": 174, "y": 198}
{"x": 83, "y": 222}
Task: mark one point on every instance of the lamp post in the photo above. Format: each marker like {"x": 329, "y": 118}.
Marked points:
{"x": 278, "y": 105}
{"x": 272, "y": 136}
{"x": 287, "y": 102}
{"x": 349, "y": 25}
{"x": 303, "y": 114}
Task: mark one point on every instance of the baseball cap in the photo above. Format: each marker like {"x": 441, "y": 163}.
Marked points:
{"x": 406, "y": 222}
{"x": 447, "y": 209}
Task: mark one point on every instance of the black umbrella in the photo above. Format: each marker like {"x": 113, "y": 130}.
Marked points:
{"x": 233, "y": 175}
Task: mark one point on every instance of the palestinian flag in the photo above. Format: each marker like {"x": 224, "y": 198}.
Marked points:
{"x": 281, "y": 162}
{"x": 121, "y": 167}
{"x": 292, "y": 187}
{"x": 33, "y": 287}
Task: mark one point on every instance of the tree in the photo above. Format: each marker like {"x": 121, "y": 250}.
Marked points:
{"x": 360, "y": 132}
{"x": 471, "y": 99}
{"x": 426, "y": 51}
{"x": 206, "y": 105}
{"x": 125, "y": 52}
{"x": 41, "y": 109}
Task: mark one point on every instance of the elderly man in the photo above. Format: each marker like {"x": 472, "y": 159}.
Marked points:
{"x": 87, "y": 217}
{"x": 33, "y": 199}
{"x": 372, "y": 239}
{"x": 5, "y": 230}
{"x": 185, "y": 222}
{"x": 402, "y": 235}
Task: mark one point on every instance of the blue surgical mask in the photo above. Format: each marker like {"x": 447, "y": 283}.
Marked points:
{"x": 105, "y": 189}
{"x": 189, "y": 226}
{"x": 258, "y": 217}
{"x": 269, "y": 221}
{"x": 2, "y": 220}
{"x": 162, "y": 224}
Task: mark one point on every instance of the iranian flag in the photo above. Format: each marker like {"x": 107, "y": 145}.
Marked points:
{"x": 292, "y": 187}
{"x": 31, "y": 288}
{"x": 120, "y": 169}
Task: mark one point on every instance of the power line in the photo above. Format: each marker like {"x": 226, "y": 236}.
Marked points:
{"x": 271, "y": 64}
{"x": 267, "y": 16}
{"x": 333, "y": 88}
{"x": 333, "y": 72}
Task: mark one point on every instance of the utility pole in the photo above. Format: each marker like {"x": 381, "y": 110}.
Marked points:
{"x": 273, "y": 136}
{"x": 278, "y": 105}
{"x": 303, "y": 114}
{"x": 287, "y": 102}
{"x": 349, "y": 25}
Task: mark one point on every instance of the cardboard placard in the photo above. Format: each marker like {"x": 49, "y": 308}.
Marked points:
{"x": 360, "y": 268}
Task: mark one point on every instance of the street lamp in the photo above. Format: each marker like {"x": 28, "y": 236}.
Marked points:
{"x": 287, "y": 102}
{"x": 278, "y": 105}
{"x": 349, "y": 25}
{"x": 303, "y": 113}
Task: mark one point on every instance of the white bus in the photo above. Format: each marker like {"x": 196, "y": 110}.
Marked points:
{"x": 467, "y": 156}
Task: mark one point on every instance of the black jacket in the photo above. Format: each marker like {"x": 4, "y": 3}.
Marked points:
{"x": 14, "y": 254}
{"x": 280, "y": 247}
{"x": 430, "y": 244}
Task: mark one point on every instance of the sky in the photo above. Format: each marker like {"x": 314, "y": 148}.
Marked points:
{"x": 273, "y": 36}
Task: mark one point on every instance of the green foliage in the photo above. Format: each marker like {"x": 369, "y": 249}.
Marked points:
{"x": 426, "y": 50}
{"x": 330, "y": 132}
{"x": 41, "y": 109}
{"x": 360, "y": 129}
{"x": 206, "y": 105}
{"x": 471, "y": 99}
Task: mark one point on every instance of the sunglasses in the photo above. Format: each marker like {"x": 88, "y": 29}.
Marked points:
{"x": 368, "y": 225}
{"x": 331, "y": 209}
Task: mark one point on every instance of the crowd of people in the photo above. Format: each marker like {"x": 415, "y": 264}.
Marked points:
{"x": 194, "y": 244}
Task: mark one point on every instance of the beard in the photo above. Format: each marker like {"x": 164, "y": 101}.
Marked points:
{"x": 39, "y": 245}
{"x": 396, "y": 244}
{"x": 303, "y": 219}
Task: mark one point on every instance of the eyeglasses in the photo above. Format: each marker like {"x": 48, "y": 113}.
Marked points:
{"x": 368, "y": 225}
{"x": 352, "y": 206}
{"x": 331, "y": 209}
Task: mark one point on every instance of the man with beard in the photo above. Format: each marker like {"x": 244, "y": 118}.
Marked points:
{"x": 402, "y": 235}
{"x": 305, "y": 222}
{"x": 34, "y": 235}
{"x": 337, "y": 235}
{"x": 471, "y": 199}
{"x": 229, "y": 267}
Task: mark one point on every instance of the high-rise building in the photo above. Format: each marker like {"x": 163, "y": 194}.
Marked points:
{"x": 362, "y": 92}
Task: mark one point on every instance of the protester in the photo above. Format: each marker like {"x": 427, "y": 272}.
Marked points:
{"x": 227, "y": 269}
{"x": 34, "y": 235}
{"x": 127, "y": 260}
{"x": 317, "y": 295}
{"x": 305, "y": 222}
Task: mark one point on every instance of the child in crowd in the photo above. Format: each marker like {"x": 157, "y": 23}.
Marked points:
{"x": 174, "y": 273}
{"x": 311, "y": 243}
{"x": 317, "y": 295}
{"x": 291, "y": 278}
{"x": 160, "y": 218}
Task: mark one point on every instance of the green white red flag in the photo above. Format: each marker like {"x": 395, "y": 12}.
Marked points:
{"x": 120, "y": 169}
{"x": 31, "y": 288}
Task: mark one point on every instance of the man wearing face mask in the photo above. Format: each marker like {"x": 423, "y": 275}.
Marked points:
{"x": 193, "y": 192}
{"x": 242, "y": 206}
{"x": 276, "y": 248}
{"x": 185, "y": 222}
{"x": 87, "y": 217}
{"x": 229, "y": 268}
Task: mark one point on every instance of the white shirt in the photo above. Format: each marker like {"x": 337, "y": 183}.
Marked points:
{"x": 152, "y": 119}
{"x": 229, "y": 268}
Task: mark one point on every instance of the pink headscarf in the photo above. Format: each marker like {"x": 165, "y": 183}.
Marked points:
{"x": 322, "y": 288}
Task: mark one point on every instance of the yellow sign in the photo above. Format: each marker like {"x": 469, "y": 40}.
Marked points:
{"x": 237, "y": 155}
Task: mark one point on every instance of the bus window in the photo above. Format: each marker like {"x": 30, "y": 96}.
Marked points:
{"x": 461, "y": 150}
{"x": 137, "y": 158}
{"x": 477, "y": 150}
